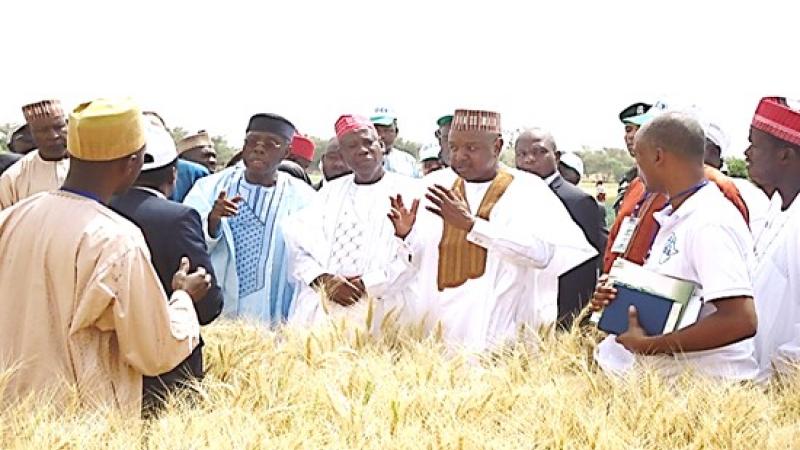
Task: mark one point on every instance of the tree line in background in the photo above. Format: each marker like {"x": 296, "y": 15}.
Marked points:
{"x": 607, "y": 164}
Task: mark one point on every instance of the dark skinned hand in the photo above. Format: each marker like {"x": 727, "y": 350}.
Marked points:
{"x": 450, "y": 207}
{"x": 603, "y": 294}
{"x": 223, "y": 207}
{"x": 403, "y": 219}
{"x": 196, "y": 284}
{"x": 635, "y": 339}
{"x": 340, "y": 290}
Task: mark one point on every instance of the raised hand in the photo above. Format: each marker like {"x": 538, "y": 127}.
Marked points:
{"x": 450, "y": 206}
{"x": 196, "y": 284}
{"x": 223, "y": 207}
{"x": 402, "y": 218}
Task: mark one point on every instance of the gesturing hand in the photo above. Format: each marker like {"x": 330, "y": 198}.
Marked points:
{"x": 450, "y": 206}
{"x": 223, "y": 207}
{"x": 195, "y": 284}
{"x": 402, "y": 219}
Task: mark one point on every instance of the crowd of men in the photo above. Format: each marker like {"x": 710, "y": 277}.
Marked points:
{"x": 118, "y": 243}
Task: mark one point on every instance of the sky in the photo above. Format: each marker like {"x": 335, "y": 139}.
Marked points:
{"x": 566, "y": 65}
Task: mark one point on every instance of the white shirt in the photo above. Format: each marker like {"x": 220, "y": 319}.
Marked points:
{"x": 757, "y": 204}
{"x": 777, "y": 289}
{"x": 705, "y": 241}
{"x": 400, "y": 162}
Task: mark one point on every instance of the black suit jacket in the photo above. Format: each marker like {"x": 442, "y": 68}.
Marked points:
{"x": 7, "y": 160}
{"x": 172, "y": 231}
{"x": 576, "y": 287}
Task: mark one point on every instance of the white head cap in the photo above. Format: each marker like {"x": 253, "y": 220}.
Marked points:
{"x": 573, "y": 161}
{"x": 429, "y": 151}
{"x": 160, "y": 149}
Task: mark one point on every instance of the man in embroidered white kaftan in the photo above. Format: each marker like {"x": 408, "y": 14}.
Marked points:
{"x": 491, "y": 261}
{"x": 242, "y": 208}
{"x": 353, "y": 242}
{"x": 774, "y": 162}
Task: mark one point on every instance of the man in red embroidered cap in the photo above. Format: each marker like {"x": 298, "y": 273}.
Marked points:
{"x": 774, "y": 164}
{"x": 301, "y": 153}
{"x": 491, "y": 261}
{"x": 42, "y": 170}
{"x": 354, "y": 242}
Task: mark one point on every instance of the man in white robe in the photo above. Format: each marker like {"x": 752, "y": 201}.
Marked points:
{"x": 242, "y": 208}
{"x": 353, "y": 243}
{"x": 46, "y": 168}
{"x": 774, "y": 162}
{"x": 495, "y": 242}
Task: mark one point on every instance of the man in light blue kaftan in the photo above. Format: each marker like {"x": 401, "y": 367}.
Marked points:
{"x": 242, "y": 209}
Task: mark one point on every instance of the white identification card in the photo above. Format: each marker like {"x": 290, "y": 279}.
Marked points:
{"x": 625, "y": 234}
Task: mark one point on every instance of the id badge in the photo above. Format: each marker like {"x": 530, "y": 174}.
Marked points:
{"x": 625, "y": 234}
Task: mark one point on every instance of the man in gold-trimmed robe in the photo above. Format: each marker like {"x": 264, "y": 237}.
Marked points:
{"x": 496, "y": 241}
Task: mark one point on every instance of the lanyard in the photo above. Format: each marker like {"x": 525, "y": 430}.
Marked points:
{"x": 86, "y": 194}
{"x": 688, "y": 192}
{"x": 639, "y": 205}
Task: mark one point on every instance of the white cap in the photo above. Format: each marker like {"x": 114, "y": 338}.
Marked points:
{"x": 429, "y": 151}
{"x": 715, "y": 134}
{"x": 160, "y": 149}
{"x": 573, "y": 161}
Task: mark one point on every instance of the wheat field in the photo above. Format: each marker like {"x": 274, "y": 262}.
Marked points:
{"x": 339, "y": 388}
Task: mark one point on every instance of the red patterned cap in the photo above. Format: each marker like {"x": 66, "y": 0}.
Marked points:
{"x": 776, "y": 117}
{"x": 303, "y": 147}
{"x": 348, "y": 123}
{"x": 473, "y": 120}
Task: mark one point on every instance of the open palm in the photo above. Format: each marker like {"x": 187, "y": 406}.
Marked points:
{"x": 402, "y": 218}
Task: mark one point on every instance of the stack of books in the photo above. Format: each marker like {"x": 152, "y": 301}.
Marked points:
{"x": 664, "y": 304}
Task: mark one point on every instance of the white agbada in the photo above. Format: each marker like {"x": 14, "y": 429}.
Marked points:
{"x": 346, "y": 232}
{"x": 777, "y": 289}
{"x": 705, "y": 241}
{"x": 757, "y": 204}
{"x": 530, "y": 241}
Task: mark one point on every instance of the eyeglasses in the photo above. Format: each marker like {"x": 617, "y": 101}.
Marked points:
{"x": 268, "y": 144}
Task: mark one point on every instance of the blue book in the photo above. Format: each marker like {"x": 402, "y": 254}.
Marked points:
{"x": 657, "y": 315}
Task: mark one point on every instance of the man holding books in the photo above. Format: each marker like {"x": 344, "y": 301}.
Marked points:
{"x": 702, "y": 238}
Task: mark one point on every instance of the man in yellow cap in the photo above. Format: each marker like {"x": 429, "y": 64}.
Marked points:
{"x": 42, "y": 170}
{"x": 84, "y": 310}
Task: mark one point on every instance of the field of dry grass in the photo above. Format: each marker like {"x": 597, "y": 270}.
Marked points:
{"x": 339, "y": 389}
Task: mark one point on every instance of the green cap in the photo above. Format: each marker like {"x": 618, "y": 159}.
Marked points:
{"x": 444, "y": 120}
{"x": 383, "y": 116}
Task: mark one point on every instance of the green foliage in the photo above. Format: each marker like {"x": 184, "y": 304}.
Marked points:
{"x": 178, "y": 134}
{"x": 737, "y": 167}
{"x": 608, "y": 164}
{"x": 6, "y": 130}
{"x": 224, "y": 150}
{"x": 409, "y": 147}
